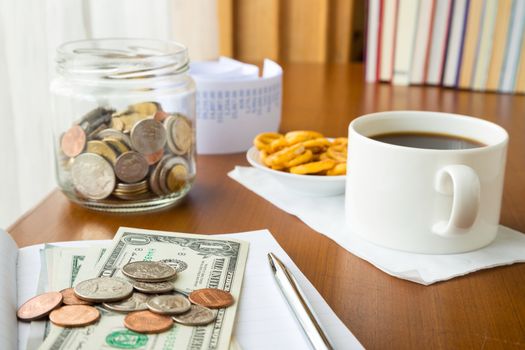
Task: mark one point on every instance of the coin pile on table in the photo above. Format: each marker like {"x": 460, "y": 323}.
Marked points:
{"x": 138, "y": 153}
{"x": 147, "y": 296}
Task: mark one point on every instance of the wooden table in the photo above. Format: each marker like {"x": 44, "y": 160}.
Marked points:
{"x": 482, "y": 310}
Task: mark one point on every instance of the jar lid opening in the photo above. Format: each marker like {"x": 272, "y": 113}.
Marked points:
{"x": 122, "y": 58}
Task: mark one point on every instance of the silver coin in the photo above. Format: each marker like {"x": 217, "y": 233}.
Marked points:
{"x": 163, "y": 174}
{"x": 136, "y": 302}
{"x": 148, "y": 136}
{"x": 197, "y": 316}
{"x": 153, "y": 288}
{"x": 154, "y": 177}
{"x": 182, "y": 134}
{"x": 103, "y": 289}
{"x": 149, "y": 271}
{"x": 93, "y": 176}
{"x": 170, "y": 304}
{"x": 131, "y": 167}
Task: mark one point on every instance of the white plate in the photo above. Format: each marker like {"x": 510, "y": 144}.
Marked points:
{"x": 312, "y": 185}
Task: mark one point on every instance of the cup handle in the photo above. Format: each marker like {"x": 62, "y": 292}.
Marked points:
{"x": 461, "y": 182}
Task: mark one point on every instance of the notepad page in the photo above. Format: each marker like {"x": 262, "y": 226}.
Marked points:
{"x": 8, "y": 302}
{"x": 264, "y": 320}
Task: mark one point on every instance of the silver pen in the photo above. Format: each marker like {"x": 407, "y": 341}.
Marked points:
{"x": 299, "y": 304}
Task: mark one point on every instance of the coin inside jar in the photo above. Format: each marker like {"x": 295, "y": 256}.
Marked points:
{"x": 102, "y": 149}
{"x": 149, "y": 271}
{"x": 211, "y": 297}
{"x": 169, "y": 304}
{"x": 177, "y": 177}
{"x": 148, "y": 136}
{"x": 131, "y": 167}
{"x": 73, "y": 141}
{"x": 93, "y": 176}
{"x": 74, "y": 316}
{"x": 39, "y": 306}
{"x": 147, "y": 322}
{"x": 196, "y": 316}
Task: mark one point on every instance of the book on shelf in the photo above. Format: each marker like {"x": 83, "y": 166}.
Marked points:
{"x": 468, "y": 44}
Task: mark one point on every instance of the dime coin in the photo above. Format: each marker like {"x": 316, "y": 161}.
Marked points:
{"x": 136, "y": 302}
{"x": 102, "y": 149}
{"x": 153, "y": 288}
{"x": 148, "y": 136}
{"x": 69, "y": 298}
{"x": 169, "y": 304}
{"x": 39, "y": 306}
{"x": 197, "y": 316}
{"x": 211, "y": 297}
{"x": 74, "y": 316}
{"x": 149, "y": 271}
{"x": 176, "y": 178}
{"x": 103, "y": 289}
{"x": 73, "y": 141}
{"x": 147, "y": 322}
{"x": 182, "y": 135}
{"x": 92, "y": 176}
{"x": 131, "y": 167}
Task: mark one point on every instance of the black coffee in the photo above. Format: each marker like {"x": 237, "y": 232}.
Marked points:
{"x": 427, "y": 140}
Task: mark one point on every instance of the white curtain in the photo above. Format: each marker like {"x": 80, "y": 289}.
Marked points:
{"x": 30, "y": 31}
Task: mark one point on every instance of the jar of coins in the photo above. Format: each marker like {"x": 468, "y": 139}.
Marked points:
{"x": 124, "y": 123}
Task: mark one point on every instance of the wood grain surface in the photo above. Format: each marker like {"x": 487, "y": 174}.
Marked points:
{"x": 483, "y": 310}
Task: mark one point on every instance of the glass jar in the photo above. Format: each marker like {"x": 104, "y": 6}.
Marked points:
{"x": 124, "y": 123}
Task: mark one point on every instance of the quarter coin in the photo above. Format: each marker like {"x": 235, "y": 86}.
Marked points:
{"x": 69, "y": 298}
{"x": 74, "y": 316}
{"x": 39, "y": 306}
{"x": 103, "y": 289}
{"x": 136, "y": 302}
{"x": 93, "y": 176}
{"x": 148, "y": 136}
{"x": 149, "y": 271}
{"x": 197, "y": 316}
{"x": 153, "y": 288}
{"x": 73, "y": 141}
{"x": 211, "y": 297}
{"x": 131, "y": 167}
{"x": 147, "y": 322}
{"x": 169, "y": 304}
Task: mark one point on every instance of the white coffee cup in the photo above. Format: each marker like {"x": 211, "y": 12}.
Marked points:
{"x": 425, "y": 200}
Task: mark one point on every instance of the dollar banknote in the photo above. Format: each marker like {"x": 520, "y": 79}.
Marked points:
{"x": 201, "y": 262}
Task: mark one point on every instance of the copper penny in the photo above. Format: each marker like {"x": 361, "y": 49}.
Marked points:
{"x": 39, "y": 306}
{"x": 69, "y": 297}
{"x": 160, "y": 116}
{"x": 74, "y": 316}
{"x": 73, "y": 141}
{"x": 211, "y": 297}
{"x": 147, "y": 322}
{"x": 154, "y": 157}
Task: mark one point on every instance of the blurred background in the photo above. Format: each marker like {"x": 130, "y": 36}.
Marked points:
{"x": 250, "y": 30}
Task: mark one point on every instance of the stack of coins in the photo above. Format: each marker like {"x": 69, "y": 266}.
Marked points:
{"x": 138, "y": 153}
{"x": 147, "y": 297}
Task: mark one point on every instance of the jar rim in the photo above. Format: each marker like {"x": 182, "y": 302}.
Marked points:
{"x": 121, "y": 58}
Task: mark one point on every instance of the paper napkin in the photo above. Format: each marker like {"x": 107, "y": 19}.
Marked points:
{"x": 326, "y": 215}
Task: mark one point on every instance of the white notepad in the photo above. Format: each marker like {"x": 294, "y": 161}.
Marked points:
{"x": 264, "y": 320}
